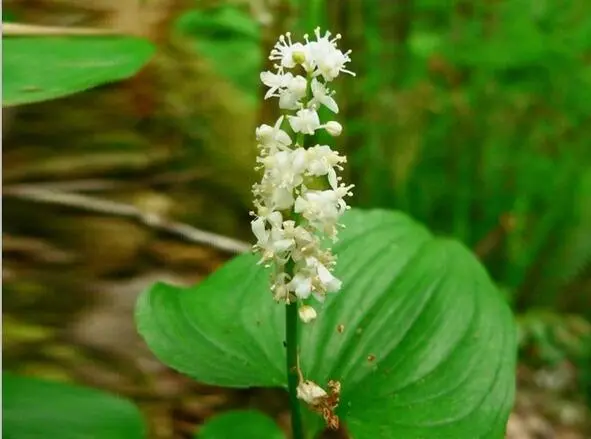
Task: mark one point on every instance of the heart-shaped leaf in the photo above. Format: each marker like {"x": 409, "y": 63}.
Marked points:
{"x": 41, "y": 68}
{"x": 420, "y": 339}
{"x": 243, "y": 424}
{"x": 34, "y": 408}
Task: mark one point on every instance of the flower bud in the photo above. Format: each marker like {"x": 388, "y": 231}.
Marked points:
{"x": 307, "y": 313}
{"x": 333, "y": 128}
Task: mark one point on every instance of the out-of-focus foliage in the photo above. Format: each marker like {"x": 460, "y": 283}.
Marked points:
{"x": 42, "y": 68}
{"x": 34, "y": 408}
{"x": 473, "y": 117}
{"x": 548, "y": 339}
{"x": 230, "y": 40}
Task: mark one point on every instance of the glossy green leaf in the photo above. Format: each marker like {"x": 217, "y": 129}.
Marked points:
{"x": 427, "y": 349}
{"x": 34, "y": 408}
{"x": 244, "y": 424}
{"x": 42, "y": 68}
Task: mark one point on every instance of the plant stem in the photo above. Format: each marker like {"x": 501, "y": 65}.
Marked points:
{"x": 291, "y": 332}
{"x": 291, "y": 340}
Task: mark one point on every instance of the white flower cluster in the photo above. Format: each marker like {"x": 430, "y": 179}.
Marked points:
{"x": 300, "y": 197}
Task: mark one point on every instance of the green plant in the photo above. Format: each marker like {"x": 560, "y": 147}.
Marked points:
{"x": 425, "y": 337}
{"x": 417, "y": 342}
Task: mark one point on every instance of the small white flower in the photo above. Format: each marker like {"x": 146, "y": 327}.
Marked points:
{"x": 301, "y": 285}
{"x": 328, "y": 60}
{"x": 305, "y": 121}
{"x": 284, "y": 51}
{"x": 259, "y": 230}
{"x": 280, "y": 291}
{"x": 332, "y": 63}
{"x": 307, "y": 313}
{"x": 269, "y": 241}
{"x": 320, "y": 206}
{"x": 289, "y": 101}
{"x": 322, "y": 161}
{"x": 333, "y": 128}
{"x": 322, "y": 96}
{"x": 275, "y": 82}
{"x": 284, "y": 170}
{"x": 282, "y": 198}
{"x": 297, "y": 85}
{"x": 310, "y": 392}
{"x": 269, "y": 137}
{"x": 323, "y": 280}
{"x": 328, "y": 281}
{"x": 290, "y": 96}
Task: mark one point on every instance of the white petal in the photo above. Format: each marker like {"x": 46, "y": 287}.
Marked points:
{"x": 283, "y": 138}
{"x": 299, "y": 160}
{"x": 331, "y": 283}
{"x": 298, "y": 86}
{"x": 317, "y": 88}
{"x": 295, "y": 123}
{"x": 283, "y": 245}
{"x": 332, "y": 178}
{"x": 269, "y": 79}
{"x": 282, "y": 198}
{"x": 275, "y": 218}
{"x": 288, "y": 101}
{"x": 300, "y": 205}
{"x": 258, "y": 228}
{"x": 301, "y": 286}
{"x": 331, "y": 104}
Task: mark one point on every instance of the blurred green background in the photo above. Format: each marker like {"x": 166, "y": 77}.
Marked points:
{"x": 472, "y": 116}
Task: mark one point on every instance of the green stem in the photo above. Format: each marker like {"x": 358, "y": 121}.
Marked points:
{"x": 291, "y": 341}
{"x": 291, "y": 332}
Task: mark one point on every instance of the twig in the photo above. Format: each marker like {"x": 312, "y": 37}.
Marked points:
{"x": 107, "y": 207}
{"x": 24, "y": 30}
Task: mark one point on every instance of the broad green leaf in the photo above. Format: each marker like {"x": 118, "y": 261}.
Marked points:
{"x": 426, "y": 350}
{"x": 34, "y": 408}
{"x": 244, "y": 424}
{"x": 42, "y": 68}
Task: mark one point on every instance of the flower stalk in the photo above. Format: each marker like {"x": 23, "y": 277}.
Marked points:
{"x": 291, "y": 336}
{"x": 300, "y": 198}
